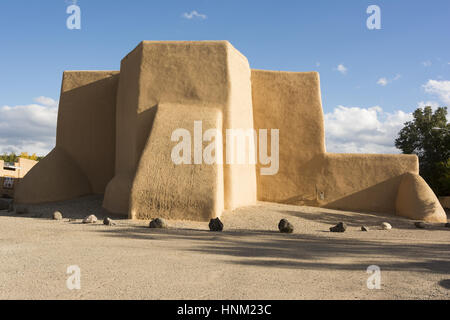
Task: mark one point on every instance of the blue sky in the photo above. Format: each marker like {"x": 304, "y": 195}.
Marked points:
{"x": 384, "y": 73}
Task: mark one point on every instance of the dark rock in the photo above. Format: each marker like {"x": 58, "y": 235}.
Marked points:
{"x": 57, "y": 215}
{"x": 420, "y": 225}
{"x": 285, "y": 226}
{"x": 340, "y": 227}
{"x": 364, "y": 228}
{"x": 215, "y": 225}
{"x": 447, "y": 225}
{"x": 11, "y": 207}
{"x": 158, "y": 223}
{"x": 108, "y": 222}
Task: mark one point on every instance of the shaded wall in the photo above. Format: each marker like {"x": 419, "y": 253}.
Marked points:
{"x": 82, "y": 161}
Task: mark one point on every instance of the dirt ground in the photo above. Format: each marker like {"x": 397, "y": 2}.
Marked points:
{"x": 249, "y": 260}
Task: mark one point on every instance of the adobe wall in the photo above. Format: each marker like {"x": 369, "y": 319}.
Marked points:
{"x": 5, "y": 172}
{"x": 363, "y": 182}
{"x": 114, "y": 136}
{"x": 25, "y": 166}
{"x": 416, "y": 200}
{"x": 82, "y": 161}
{"x": 9, "y": 173}
{"x": 2, "y": 171}
{"x": 164, "y": 189}
{"x": 291, "y": 102}
{"x": 205, "y": 74}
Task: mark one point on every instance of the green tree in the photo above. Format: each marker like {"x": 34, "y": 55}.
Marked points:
{"x": 9, "y": 157}
{"x": 12, "y": 157}
{"x": 428, "y": 136}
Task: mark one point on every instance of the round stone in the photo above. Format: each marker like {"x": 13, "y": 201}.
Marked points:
{"x": 285, "y": 226}
{"x": 57, "y": 215}
{"x": 108, "y": 222}
{"x": 340, "y": 227}
{"x": 420, "y": 225}
{"x": 386, "y": 226}
{"x": 158, "y": 223}
{"x": 215, "y": 225}
{"x": 90, "y": 219}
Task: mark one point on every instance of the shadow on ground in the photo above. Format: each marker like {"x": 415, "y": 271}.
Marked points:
{"x": 70, "y": 209}
{"x": 445, "y": 284}
{"x": 371, "y": 220}
{"x": 272, "y": 249}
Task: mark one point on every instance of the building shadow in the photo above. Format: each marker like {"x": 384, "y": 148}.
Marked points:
{"x": 300, "y": 251}
{"x": 371, "y": 220}
{"x": 71, "y": 209}
{"x": 445, "y": 284}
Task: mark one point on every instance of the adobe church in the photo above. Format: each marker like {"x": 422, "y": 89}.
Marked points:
{"x": 114, "y": 138}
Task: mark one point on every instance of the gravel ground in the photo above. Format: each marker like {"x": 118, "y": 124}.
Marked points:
{"x": 249, "y": 260}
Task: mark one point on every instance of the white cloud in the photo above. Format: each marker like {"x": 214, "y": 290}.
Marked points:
{"x": 439, "y": 88}
{"x": 194, "y": 14}
{"x": 29, "y": 128}
{"x": 342, "y": 69}
{"x": 383, "y": 82}
{"x": 46, "y": 101}
{"x": 427, "y": 63}
{"x": 363, "y": 130}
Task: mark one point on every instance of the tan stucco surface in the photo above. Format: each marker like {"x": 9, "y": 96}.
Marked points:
{"x": 416, "y": 200}
{"x": 177, "y": 191}
{"x": 308, "y": 175}
{"x": 22, "y": 166}
{"x": 83, "y": 160}
{"x": 56, "y": 177}
{"x": 114, "y": 136}
{"x": 290, "y": 102}
{"x": 363, "y": 182}
{"x": 211, "y": 74}
{"x": 17, "y": 172}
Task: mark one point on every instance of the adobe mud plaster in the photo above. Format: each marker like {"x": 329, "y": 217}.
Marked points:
{"x": 114, "y": 129}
